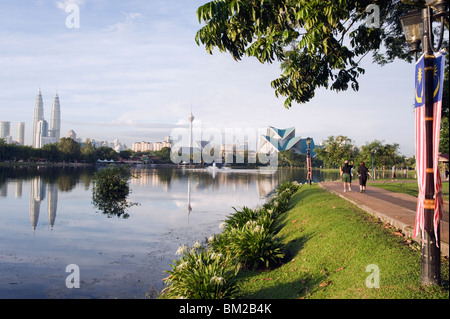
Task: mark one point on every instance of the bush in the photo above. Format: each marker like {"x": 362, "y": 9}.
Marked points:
{"x": 200, "y": 274}
{"x": 249, "y": 239}
{"x": 110, "y": 190}
{"x": 240, "y": 217}
{"x": 254, "y": 246}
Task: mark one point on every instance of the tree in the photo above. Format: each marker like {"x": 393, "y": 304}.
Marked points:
{"x": 336, "y": 150}
{"x": 88, "y": 153}
{"x": 51, "y": 152}
{"x": 320, "y": 43}
{"x": 108, "y": 153}
{"x": 163, "y": 155}
{"x": 291, "y": 158}
{"x": 70, "y": 149}
{"x": 385, "y": 155}
{"x": 110, "y": 190}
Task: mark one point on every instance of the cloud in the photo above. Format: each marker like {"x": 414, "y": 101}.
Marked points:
{"x": 129, "y": 23}
{"x": 63, "y": 4}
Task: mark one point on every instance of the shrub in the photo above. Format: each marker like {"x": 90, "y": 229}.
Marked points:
{"x": 248, "y": 240}
{"x": 254, "y": 246}
{"x": 240, "y": 217}
{"x": 200, "y": 274}
{"x": 110, "y": 190}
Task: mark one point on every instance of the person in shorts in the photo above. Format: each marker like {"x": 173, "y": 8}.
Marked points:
{"x": 363, "y": 171}
{"x": 346, "y": 170}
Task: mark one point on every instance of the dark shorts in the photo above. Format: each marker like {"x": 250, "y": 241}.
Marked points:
{"x": 346, "y": 178}
{"x": 362, "y": 181}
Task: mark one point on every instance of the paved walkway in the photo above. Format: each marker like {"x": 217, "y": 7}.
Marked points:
{"x": 397, "y": 209}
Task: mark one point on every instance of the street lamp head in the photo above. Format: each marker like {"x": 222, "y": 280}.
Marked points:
{"x": 439, "y": 6}
{"x": 412, "y": 25}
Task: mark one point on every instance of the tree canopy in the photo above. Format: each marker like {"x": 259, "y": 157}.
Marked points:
{"x": 320, "y": 43}
{"x": 336, "y": 150}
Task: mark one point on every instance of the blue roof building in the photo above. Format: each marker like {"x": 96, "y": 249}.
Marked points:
{"x": 282, "y": 140}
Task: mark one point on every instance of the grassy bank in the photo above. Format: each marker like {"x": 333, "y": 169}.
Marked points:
{"x": 329, "y": 245}
{"x": 410, "y": 188}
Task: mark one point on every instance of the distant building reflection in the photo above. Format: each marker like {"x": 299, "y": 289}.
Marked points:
{"x": 37, "y": 196}
{"x": 188, "y": 207}
{"x": 265, "y": 183}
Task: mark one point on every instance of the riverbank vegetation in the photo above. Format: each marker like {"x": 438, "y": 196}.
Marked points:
{"x": 249, "y": 240}
{"x": 330, "y": 249}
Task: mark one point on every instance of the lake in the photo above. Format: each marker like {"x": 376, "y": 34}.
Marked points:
{"x": 51, "y": 233}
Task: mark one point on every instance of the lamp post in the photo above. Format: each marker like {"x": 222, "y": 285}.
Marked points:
{"x": 417, "y": 26}
{"x": 373, "y": 154}
{"x": 308, "y": 160}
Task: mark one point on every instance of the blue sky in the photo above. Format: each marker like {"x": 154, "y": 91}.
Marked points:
{"x": 132, "y": 71}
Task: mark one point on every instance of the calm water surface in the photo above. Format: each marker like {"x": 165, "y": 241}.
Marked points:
{"x": 47, "y": 222}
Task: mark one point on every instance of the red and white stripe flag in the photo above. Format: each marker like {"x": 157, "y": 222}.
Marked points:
{"x": 421, "y": 152}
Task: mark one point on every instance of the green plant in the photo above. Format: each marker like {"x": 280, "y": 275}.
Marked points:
{"x": 241, "y": 217}
{"x": 253, "y": 246}
{"x": 200, "y": 274}
{"x": 248, "y": 240}
{"x": 110, "y": 190}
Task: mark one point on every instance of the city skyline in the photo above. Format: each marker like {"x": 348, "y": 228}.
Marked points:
{"x": 132, "y": 70}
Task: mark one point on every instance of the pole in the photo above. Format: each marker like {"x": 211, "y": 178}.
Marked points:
{"x": 431, "y": 257}
{"x": 308, "y": 162}
{"x": 372, "y": 166}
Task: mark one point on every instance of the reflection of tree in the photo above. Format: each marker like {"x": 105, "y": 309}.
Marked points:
{"x": 110, "y": 191}
{"x": 65, "y": 177}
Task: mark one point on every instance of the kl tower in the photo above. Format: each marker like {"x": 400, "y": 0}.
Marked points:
{"x": 191, "y": 119}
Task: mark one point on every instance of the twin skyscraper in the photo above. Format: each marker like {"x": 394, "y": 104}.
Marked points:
{"x": 42, "y": 133}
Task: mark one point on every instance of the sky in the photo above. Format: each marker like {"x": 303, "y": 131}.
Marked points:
{"x": 131, "y": 70}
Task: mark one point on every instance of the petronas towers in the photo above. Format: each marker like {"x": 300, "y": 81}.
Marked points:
{"x": 42, "y": 134}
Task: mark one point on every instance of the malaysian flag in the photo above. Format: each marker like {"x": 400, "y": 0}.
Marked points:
{"x": 421, "y": 154}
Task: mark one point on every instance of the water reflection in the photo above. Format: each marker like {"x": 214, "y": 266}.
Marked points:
{"x": 37, "y": 196}
{"x": 48, "y": 182}
{"x": 178, "y": 206}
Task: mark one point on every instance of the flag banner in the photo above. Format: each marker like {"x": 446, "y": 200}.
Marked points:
{"x": 420, "y": 141}
{"x": 438, "y": 76}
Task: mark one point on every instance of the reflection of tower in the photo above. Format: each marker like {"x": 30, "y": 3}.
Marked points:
{"x": 52, "y": 203}
{"x": 191, "y": 119}
{"x": 189, "y": 208}
{"x": 36, "y": 196}
{"x": 18, "y": 188}
{"x": 38, "y": 116}
{"x": 4, "y": 190}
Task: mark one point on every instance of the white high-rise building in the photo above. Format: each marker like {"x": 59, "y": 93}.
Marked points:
{"x": 21, "y": 133}
{"x": 44, "y": 134}
{"x": 55, "y": 121}
{"x": 72, "y": 135}
{"x": 38, "y": 116}
{"x": 5, "y": 129}
{"x": 41, "y": 134}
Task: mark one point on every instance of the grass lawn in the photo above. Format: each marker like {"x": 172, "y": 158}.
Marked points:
{"x": 333, "y": 250}
{"x": 410, "y": 188}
